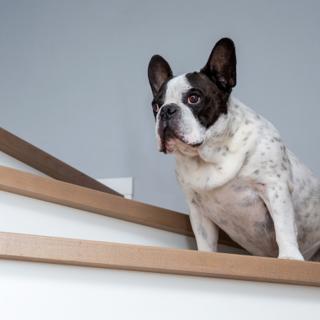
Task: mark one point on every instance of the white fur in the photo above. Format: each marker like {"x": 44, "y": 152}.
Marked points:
{"x": 245, "y": 181}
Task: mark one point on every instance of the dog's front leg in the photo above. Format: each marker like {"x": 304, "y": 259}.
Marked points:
{"x": 278, "y": 201}
{"x": 205, "y": 231}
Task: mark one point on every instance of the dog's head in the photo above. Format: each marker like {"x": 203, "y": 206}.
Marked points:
{"x": 186, "y": 106}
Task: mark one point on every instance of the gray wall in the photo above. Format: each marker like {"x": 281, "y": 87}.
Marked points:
{"x": 73, "y": 77}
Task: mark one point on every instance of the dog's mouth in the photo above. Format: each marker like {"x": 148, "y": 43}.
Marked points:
{"x": 169, "y": 139}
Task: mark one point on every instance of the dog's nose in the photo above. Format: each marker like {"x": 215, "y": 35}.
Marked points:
{"x": 168, "y": 111}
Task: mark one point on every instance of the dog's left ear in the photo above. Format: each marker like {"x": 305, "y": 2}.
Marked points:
{"x": 221, "y": 65}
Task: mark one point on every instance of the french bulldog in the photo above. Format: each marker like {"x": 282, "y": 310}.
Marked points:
{"x": 232, "y": 165}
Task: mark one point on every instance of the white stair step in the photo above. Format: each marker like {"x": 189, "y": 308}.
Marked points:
{"x": 46, "y": 291}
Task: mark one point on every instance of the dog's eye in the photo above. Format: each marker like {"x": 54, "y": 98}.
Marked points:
{"x": 193, "y": 99}
{"x": 155, "y": 107}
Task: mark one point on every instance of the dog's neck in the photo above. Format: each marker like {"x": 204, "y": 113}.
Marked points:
{"x": 223, "y": 128}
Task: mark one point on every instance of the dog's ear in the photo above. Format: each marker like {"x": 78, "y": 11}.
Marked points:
{"x": 159, "y": 72}
{"x": 221, "y": 65}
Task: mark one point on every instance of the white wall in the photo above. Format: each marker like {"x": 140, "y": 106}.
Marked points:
{"x": 26, "y": 215}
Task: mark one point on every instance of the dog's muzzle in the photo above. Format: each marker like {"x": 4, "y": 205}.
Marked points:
{"x": 169, "y": 128}
{"x": 168, "y": 111}
{"x": 168, "y": 118}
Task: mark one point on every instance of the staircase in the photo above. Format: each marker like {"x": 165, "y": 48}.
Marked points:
{"x": 72, "y": 248}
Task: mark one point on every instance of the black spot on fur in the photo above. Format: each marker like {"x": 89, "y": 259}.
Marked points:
{"x": 213, "y": 100}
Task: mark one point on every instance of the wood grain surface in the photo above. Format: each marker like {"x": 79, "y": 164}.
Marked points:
{"x": 82, "y": 198}
{"x": 46, "y": 163}
{"x": 153, "y": 259}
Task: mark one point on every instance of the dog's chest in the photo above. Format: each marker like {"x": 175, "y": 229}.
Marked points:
{"x": 238, "y": 210}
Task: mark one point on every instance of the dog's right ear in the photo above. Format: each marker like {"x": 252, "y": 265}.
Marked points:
{"x": 159, "y": 72}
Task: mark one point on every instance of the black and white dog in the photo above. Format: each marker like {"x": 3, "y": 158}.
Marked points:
{"x": 232, "y": 165}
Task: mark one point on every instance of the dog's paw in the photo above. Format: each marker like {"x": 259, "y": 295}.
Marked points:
{"x": 296, "y": 256}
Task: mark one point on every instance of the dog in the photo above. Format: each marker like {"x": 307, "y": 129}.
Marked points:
{"x": 232, "y": 164}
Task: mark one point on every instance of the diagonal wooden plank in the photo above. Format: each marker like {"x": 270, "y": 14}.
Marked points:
{"x": 152, "y": 259}
{"x": 78, "y": 197}
{"x": 46, "y": 163}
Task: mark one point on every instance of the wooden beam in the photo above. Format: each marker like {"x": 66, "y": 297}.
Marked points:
{"x": 152, "y": 259}
{"x": 46, "y": 163}
{"x": 78, "y": 197}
